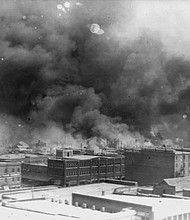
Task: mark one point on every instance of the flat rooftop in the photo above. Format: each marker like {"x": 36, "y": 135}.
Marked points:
{"x": 5, "y": 163}
{"x": 65, "y": 193}
{"x": 82, "y": 157}
{"x": 160, "y": 150}
{"x": 36, "y": 164}
{"x": 45, "y": 209}
{"x": 162, "y": 207}
{"x": 15, "y": 214}
{"x": 182, "y": 152}
{"x": 18, "y": 156}
{"x": 56, "y": 208}
{"x": 88, "y": 157}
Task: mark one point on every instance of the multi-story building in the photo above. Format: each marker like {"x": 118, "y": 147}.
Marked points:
{"x": 151, "y": 166}
{"x": 182, "y": 163}
{"x": 79, "y": 169}
{"x": 10, "y": 174}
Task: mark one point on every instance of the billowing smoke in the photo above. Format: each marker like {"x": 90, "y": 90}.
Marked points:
{"x": 89, "y": 69}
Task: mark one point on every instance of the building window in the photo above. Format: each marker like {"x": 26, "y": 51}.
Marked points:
{"x": 18, "y": 178}
{"x": 18, "y": 169}
{"x": 13, "y": 169}
{"x": 13, "y": 179}
{"x": 110, "y": 162}
{"x": 5, "y": 170}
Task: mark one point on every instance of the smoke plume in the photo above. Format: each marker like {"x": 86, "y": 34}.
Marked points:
{"x": 58, "y": 77}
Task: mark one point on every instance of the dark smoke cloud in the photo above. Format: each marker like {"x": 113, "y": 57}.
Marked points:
{"x": 56, "y": 74}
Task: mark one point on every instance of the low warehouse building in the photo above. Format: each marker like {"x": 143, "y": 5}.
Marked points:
{"x": 173, "y": 186}
{"x": 145, "y": 207}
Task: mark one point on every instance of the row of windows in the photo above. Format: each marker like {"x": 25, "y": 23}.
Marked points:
{"x": 36, "y": 161}
{"x": 57, "y": 172}
{"x": 82, "y": 164}
{"x": 110, "y": 162}
{"x": 118, "y": 162}
{"x": 71, "y": 164}
{"x": 184, "y": 157}
{"x": 110, "y": 170}
{"x": 57, "y": 165}
{"x": 104, "y": 164}
{"x": 103, "y": 167}
{"x": 13, "y": 179}
{"x": 87, "y": 171}
{"x": 13, "y": 170}
{"x": 85, "y": 163}
{"x": 182, "y": 165}
{"x": 34, "y": 170}
{"x": 73, "y": 173}
{"x": 117, "y": 169}
{"x": 50, "y": 164}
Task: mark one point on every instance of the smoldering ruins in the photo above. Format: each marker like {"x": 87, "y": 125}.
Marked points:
{"x": 58, "y": 77}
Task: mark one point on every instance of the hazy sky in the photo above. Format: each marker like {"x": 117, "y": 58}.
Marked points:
{"x": 170, "y": 18}
{"x": 130, "y": 78}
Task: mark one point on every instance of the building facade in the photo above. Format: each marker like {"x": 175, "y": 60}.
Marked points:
{"x": 35, "y": 174}
{"x": 86, "y": 169}
{"x": 173, "y": 186}
{"x": 10, "y": 175}
{"x": 146, "y": 208}
{"x": 151, "y": 166}
{"x": 60, "y": 153}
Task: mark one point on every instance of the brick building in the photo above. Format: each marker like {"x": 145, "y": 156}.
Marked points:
{"x": 10, "y": 175}
{"x": 151, "y": 166}
{"x": 80, "y": 169}
{"x": 35, "y": 174}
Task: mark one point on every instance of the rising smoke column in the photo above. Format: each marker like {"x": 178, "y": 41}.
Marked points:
{"x": 55, "y": 70}
{"x": 48, "y": 64}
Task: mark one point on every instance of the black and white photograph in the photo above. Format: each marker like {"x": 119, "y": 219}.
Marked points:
{"x": 94, "y": 109}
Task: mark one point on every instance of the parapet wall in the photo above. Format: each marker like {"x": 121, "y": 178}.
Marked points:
{"x": 110, "y": 205}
